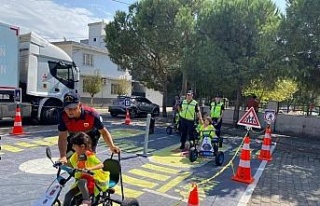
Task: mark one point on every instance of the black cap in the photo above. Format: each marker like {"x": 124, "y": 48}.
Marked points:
{"x": 189, "y": 92}
{"x": 71, "y": 100}
{"x": 219, "y": 95}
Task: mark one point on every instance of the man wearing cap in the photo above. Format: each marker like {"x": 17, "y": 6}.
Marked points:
{"x": 188, "y": 109}
{"x": 216, "y": 113}
{"x": 79, "y": 118}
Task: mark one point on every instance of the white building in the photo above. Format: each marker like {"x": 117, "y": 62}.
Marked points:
{"x": 92, "y": 57}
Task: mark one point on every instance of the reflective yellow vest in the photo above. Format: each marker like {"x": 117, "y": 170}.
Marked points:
{"x": 188, "y": 110}
{"x": 216, "y": 109}
{"x": 207, "y": 131}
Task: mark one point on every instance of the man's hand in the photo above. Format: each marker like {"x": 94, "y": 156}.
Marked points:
{"x": 115, "y": 149}
{"x": 63, "y": 160}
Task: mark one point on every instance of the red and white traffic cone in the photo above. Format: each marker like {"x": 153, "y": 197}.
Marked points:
{"x": 17, "y": 127}
{"x": 244, "y": 170}
{"x": 265, "y": 152}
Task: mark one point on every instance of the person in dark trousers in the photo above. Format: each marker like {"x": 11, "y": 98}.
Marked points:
{"x": 188, "y": 109}
{"x": 79, "y": 118}
{"x": 216, "y": 113}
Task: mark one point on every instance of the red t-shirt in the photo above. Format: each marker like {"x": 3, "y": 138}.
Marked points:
{"x": 253, "y": 103}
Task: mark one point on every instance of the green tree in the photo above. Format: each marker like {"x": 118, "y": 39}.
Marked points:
{"x": 144, "y": 41}
{"x": 123, "y": 86}
{"x": 299, "y": 41}
{"x": 92, "y": 85}
{"x": 238, "y": 36}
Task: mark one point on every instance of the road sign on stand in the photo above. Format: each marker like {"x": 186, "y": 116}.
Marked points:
{"x": 269, "y": 115}
{"x": 250, "y": 119}
{"x": 17, "y": 96}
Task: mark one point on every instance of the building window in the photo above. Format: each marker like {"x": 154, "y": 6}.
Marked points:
{"x": 84, "y": 86}
{"x": 114, "y": 88}
{"x": 87, "y": 59}
{"x": 94, "y": 39}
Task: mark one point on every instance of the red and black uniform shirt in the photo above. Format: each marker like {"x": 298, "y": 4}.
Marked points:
{"x": 88, "y": 122}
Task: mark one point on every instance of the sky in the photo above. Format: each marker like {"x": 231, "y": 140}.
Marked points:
{"x": 55, "y": 20}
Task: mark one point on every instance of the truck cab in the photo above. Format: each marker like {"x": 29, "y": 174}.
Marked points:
{"x": 44, "y": 73}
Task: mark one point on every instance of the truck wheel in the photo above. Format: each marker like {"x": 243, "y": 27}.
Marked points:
{"x": 130, "y": 202}
{"x": 50, "y": 115}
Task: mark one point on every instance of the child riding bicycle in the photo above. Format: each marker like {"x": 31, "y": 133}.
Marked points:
{"x": 84, "y": 158}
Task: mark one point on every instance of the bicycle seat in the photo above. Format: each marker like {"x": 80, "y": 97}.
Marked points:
{"x": 114, "y": 168}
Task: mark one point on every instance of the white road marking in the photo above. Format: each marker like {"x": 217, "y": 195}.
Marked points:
{"x": 164, "y": 195}
{"x": 245, "y": 198}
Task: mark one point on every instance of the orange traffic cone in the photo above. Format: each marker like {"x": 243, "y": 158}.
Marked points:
{"x": 17, "y": 127}
{"x": 265, "y": 153}
{"x": 244, "y": 169}
{"x": 127, "y": 121}
{"x": 193, "y": 199}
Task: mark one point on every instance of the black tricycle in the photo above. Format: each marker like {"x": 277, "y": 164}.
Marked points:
{"x": 51, "y": 196}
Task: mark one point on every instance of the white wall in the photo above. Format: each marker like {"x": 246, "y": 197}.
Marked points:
{"x": 154, "y": 96}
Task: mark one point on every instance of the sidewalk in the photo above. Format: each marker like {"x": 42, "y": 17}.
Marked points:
{"x": 292, "y": 178}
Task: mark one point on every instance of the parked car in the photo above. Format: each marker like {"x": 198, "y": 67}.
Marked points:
{"x": 136, "y": 106}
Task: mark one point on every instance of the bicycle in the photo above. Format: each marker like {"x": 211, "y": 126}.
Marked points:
{"x": 52, "y": 194}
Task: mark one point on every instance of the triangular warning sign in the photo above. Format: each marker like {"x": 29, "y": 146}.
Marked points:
{"x": 250, "y": 119}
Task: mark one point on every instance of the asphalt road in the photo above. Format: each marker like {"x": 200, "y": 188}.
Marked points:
{"x": 161, "y": 177}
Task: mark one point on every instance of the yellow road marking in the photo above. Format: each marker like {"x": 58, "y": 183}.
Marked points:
{"x": 138, "y": 182}
{"x": 11, "y": 148}
{"x": 25, "y": 144}
{"x": 149, "y": 174}
{"x": 173, "y": 182}
{"x": 41, "y": 142}
{"x": 160, "y": 169}
{"x": 128, "y": 192}
{"x": 53, "y": 140}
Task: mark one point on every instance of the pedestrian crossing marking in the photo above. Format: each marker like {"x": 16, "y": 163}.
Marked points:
{"x": 173, "y": 182}
{"x": 155, "y": 176}
{"x": 160, "y": 169}
{"x": 41, "y": 142}
{"x": 25, "y": 144}
{"x": 139, "y": 182}
{"x": 53, "y": 140}
{"x": 128, "y": 192}
{"x": 11, "y": 148}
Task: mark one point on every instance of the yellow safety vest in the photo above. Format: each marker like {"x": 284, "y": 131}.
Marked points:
{"x": 205, "y": 131}
{"x": 216, "y": 109}
{"x": 188, "y": 110}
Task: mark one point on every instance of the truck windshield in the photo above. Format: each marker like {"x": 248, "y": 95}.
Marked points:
{"x": 64, "y": 73}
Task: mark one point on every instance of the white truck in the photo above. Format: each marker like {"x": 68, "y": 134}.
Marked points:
{"x": 42, "y": 72}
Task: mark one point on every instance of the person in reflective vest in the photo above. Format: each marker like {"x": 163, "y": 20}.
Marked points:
{"x": 216, "y": 113}
{"x": 188, "y": 108}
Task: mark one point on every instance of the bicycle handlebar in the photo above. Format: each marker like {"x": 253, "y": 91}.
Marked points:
{"x": 71, "y": 170}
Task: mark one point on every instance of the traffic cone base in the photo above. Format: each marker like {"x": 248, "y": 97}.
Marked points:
{"x": 193, "y": 199}
{"x": 127, "y": 121}
{"x": 17, "y": 126}
{"x": 243, "y": 175}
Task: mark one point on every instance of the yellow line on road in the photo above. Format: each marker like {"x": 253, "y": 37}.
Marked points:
{"x": 53, "y": 140}
{"x": 11, "y": 148}
{"x": 160, "y": 169}
{"x": 25, "y": 144}
{"x": 138, "y": 182}
{"x": 128, "y": 192}
{"x": 173, "y": 182}
{"x": 41, "y": 142}
{"x": 152, "y": 175}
